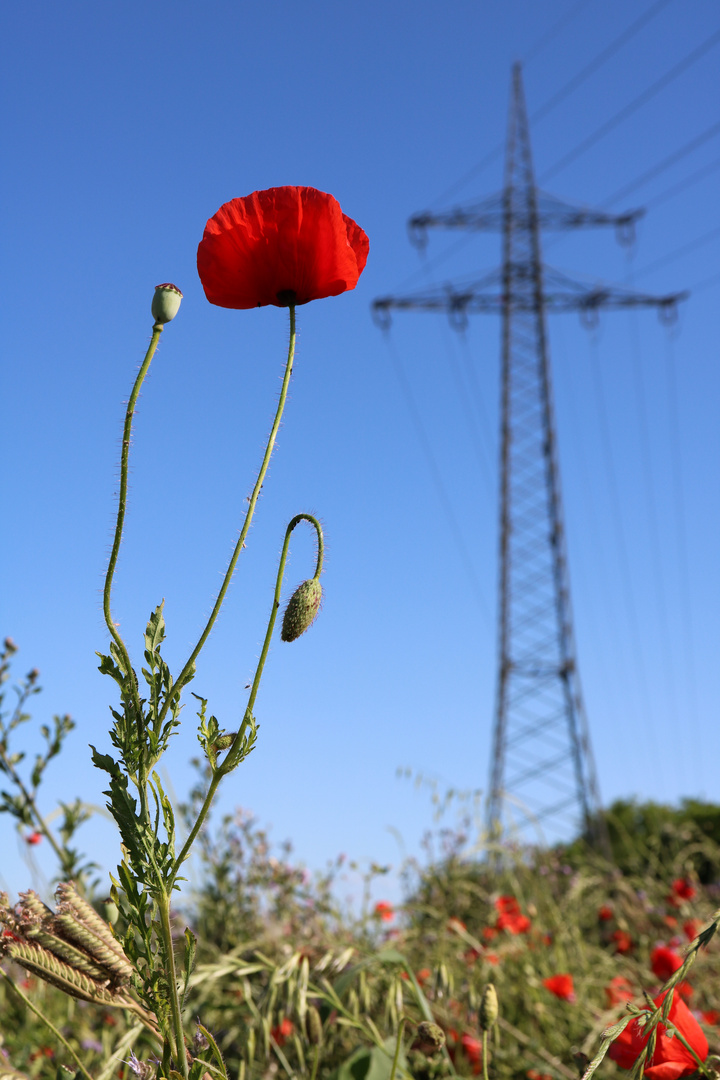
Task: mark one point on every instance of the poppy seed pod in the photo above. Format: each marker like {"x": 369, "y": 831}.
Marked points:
{"x": 488, "y": 1012}
{"x": 165, "y": 303}
{"x": 429, "y": 1038}
{"x": 302, "y": 609}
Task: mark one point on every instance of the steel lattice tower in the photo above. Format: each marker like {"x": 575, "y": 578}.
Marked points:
{"x": 542, "y": 761}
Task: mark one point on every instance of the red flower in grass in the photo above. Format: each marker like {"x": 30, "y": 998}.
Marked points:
{"x": 692, "y": 928}
{"x": 281, "y": 246}
{"x": 670, "y": 1059}
{"x": 507, "y": 905}
{"x": 283, "y": 1031}
{"x": 514, "y": 924}
{"x": 618, "y": 990}
{"x": 34, "y": 838}
{"x": 472, "y": 1048}
{"x": 622, "y": 941}
{"x": 384, "y": 911}
{"x": 664, "y": 962}
{"x": 683, "y": 889}
{"x": 711, "y": 1016}
{"x": 605, "y": 913}
{"x": 561, "y": 986}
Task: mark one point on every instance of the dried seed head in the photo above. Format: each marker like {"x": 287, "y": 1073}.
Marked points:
{"x": 488, "y": 1012}
{"x": 313, "y": 1026}
{"x": 166, "y": 303}
{"x": 429, "y": 1038}
{"x": 302, "y": 609}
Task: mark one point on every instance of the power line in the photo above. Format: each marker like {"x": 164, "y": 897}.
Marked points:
{"x": 699, "y": 241}
{"x": 686, "y": 183}
{"x": 676, "y": 155}
{"x": 554, "y": 31}
{"x": 599, "y": 60}
{"x": 632, "y": 106}
{"x": 437, "y": 480}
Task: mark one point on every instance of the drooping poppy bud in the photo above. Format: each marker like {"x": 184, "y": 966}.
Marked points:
{"x": 488, "y": 1011}
{"x": 165, "y": 303}
{"x": 302, "y": 609}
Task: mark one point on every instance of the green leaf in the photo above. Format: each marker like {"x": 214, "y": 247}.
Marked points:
{"x": 371, "y": 1064}
{"x": 189, "y": 959}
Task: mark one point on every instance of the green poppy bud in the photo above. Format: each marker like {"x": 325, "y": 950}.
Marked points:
{"x": 302, "y": 609}
{"x": 166, "y": 303}
{"x": 313, "y": 1026}
{"x": 488, "y": 1011}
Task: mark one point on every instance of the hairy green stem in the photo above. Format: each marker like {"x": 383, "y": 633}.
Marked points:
{"x": 226, "y": 767}
{"x": 122, "y": 496}
{"x": 182, "y": 677}
{"x": 484, "y": 1055}
{"x": 48, "y": 1023}
{"x": 163, "y": 903}
{"x": 117, "y": 539}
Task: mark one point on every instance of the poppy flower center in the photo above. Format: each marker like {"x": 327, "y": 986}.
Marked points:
{"x": 286, "y": 297}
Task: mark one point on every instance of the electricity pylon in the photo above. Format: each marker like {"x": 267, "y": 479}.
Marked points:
{"x": 542, "y": 760}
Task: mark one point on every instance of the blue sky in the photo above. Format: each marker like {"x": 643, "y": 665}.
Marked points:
{"x": 127, "y": 126}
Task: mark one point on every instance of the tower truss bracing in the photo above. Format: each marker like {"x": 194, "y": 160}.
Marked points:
{"x": 542, "y": 770}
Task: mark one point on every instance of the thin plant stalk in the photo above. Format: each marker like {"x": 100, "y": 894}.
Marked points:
{"x": 179, "y": 1054}
{"x": 398, "y": 1044}
{"x": 222, "y": 770}
{"x": 180, "y": 681}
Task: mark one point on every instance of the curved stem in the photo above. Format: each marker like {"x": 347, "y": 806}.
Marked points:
{"x": 122, "y": 504}
{"x": 182, "y": 677}
{"x": 41, "y": 1016}
{"x": 227, "y": 765}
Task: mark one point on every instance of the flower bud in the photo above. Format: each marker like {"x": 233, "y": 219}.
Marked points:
{"x": 166, "y": 303}
{"x": 313, "y": 1026}
{"x": 224, "y": 742}
{"x": 302, "y": 609}
{"x": 429, "y": 1038}
{"x": 488, "y": 1011}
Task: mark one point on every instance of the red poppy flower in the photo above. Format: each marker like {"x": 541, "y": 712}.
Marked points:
{"x": 471, "y": 955}
{"x": 683, "y": 889}
{"x": 561, "y": 986}
{"x": 605, "y": 913}
{"x": 670, "y": 1060}
{"x": 507, "y": 905}
{"x": 472, "y": 1048}
{"x": 384, "y": 911}
{"x": 618, "y": 990}
{"x": 281, "y": 246}
{"x": 623, "y": 941}
{"x": 664, "y": 962}
{"x": 514, "y": 924}
{"x": 711, "y": 1016}
{"x": 34, "y": 838}
{"x": 692, "y": 928}
{"x": 492, "y": 958}
{"x": 283, "y": 1031}
{"x": 423, "y": 975}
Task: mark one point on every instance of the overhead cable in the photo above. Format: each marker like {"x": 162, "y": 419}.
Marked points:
{"x": 699, "y": 241}
{"x": 599, "y": 60}
{"x": 632, "y": 106}
{"x": 554, "y": 30}
{"x": 676, "y": 155}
